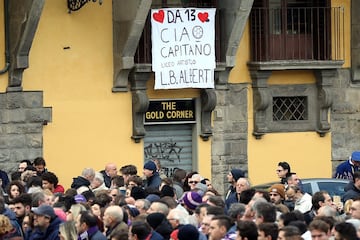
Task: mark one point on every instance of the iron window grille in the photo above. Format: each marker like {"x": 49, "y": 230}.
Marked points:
{"x": 290, "y": 108}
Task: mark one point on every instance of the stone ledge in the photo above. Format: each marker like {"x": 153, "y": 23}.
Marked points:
{"x": 295, "y": 65}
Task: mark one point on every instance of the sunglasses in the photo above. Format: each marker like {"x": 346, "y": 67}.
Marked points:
{"x": 193, "y": 182}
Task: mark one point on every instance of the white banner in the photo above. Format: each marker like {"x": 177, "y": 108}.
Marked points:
{"x": 183, "y": 47}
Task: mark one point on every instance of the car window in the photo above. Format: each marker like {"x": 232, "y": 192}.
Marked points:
{"x": 306, "y": 187}
{"x": 333, "y": 188}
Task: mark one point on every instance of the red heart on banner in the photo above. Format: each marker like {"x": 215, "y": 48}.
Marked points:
{"x": 203, "y": 16}
{"x": 159, "y": 16}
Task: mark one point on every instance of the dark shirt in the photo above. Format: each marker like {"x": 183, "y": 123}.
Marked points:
{"x": 51, "y": 233}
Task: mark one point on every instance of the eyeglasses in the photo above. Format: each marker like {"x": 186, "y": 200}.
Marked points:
{"x": 193, "y": 182}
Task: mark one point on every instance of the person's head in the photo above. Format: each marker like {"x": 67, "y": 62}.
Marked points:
{"x": 267, "y": 231}
{"x": 113, "y": 215}
{"x": 88, "y": 173}
{"x": 356, "y": 178}
{"x": 242, "y": 184}
{"x": 5, "y": 225}
{"x": 127, "y": 171}
{"x": 283, "y": 169}
{"x": 75, "y": 211}
{"x": 191, "y": 200}
{"x": 321, "y": 198}
{"x": 246, "y": 230}
{"x": 194, "y": 180}
{"x": 205, "y": 224}
{"x": 40, "y": 164}
{"x": 84, "y": 221}
{"x": 134, "y": 181}
{"x": 117, "y": 181}
{"x": 111, "y": 170}
{"x": 293, "y": 179}
{"x": 67, "y": 231}
{"x": 179, "y": 176}
{"x": 277, "y": 193}
{"x": 28, "y": 221}
{"x": 345, "y": 231}
{"x": 236, "y": 211}
{"x": 23, "y": 165}
{"x": 49, "y": 181}
{"x": 142, "y": 205}
{"x": 188, "y": 231}
{"x": 219, "y": 226}
{"x": 97, "y": 181}
{"x": 319, "y": 229}
{"x": 139, "y": 230}
{"x": 177, "y": 217}
{"x": 216, "y": 201}
{"x": 289, "y": 233}
{"x": 15, "y": 188}
{"x": 38, "y": 198}
{"x": 22, "y": 205}
{"x": 43, "y": 216}
{"x": 286, "y": 218}
{"x": 234, "y": 175}
{"x": 264, "y": 212}
{"x": 149, "y": 169}
{"x": 158, "y": 206}
{"x": 355, "y": 158}
{"x": 355, "y": 209}
{"x": 293, "y": 193}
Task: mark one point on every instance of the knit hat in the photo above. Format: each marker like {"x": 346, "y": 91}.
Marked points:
{"x": 155, "y": 219}
{"x": 201, "y": 188}
{"x": 167, "y": 190}
{"x": 191, "y": 200}
{"x": 150, "y": 165}
{"x": 80, "y": 198}
{"x": 278, "y": 188}
{"x": 152, "y": 197}
{"x": 133, "y": 211}
{"x": 188, "y": 231}
{"x": 137, "y": 193}
{"x": 355, "y": 156}
{"x": 237, "y": 173}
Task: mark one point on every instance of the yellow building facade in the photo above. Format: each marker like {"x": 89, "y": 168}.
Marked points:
{"x": 71, "y": 62}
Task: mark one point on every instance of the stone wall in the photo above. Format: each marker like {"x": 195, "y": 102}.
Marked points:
{"x": 22, "y": 117}
{"x": 229, "y": 147}
{"x": 345, "y": 117}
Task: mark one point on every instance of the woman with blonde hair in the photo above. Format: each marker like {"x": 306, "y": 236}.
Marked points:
{"x": 67, "y": 231}
{"x": 7, "y": 231}
{"x": 74, "y": 211}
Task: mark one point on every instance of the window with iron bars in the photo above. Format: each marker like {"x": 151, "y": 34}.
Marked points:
{"x": 143, "y": 52}
{"x": 290, "y": 108}
{"x": 296, "y": 30}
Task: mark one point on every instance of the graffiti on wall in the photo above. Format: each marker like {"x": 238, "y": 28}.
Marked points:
{"x": 167, "y": 151}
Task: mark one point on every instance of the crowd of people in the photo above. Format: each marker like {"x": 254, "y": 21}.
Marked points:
{"x": 119, "y": 204}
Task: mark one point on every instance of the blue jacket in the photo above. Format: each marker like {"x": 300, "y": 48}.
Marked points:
{"x": 352, "y": 193}
{"x": 97, "y": 236}
{"x": 345, "y": 170}
{"x": 51, "y": 233}
{"x": 156, "y": 236}
{"x": 154, "y": 181}
{"x": 11, "y": 215}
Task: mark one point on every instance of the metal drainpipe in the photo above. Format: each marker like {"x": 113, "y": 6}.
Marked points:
{"x": 6, "y": 25}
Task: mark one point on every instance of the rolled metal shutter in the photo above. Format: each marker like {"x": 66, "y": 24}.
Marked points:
{"x": 171, "y": 144}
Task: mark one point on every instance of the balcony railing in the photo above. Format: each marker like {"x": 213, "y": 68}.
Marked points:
{"x": 305, "y": 34}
